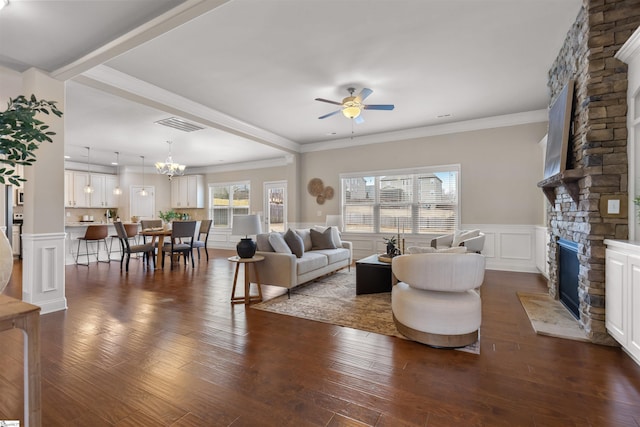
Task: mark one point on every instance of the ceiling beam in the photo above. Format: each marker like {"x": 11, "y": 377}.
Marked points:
{"x": 169, "y": 20}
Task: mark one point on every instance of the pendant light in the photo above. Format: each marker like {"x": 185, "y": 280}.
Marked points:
{"x": 117, "y": 191}
{"x": 143, "y": 192}
{"x": 88, "y": 189}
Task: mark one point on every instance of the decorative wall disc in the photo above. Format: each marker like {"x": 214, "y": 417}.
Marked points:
{"x": 315, "y": 186}
{"x": 320, "y": 199}
{"x": 328, "y": 193}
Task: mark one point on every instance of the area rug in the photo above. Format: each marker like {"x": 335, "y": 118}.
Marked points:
{"x": 333, "y": 300}
{"x": 549, "y": 317}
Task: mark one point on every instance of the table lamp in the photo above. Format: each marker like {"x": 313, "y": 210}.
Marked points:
{"x": 246, "y": 224}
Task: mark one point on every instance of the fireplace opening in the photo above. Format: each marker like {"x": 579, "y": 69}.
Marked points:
{"x": 568, "y": 267}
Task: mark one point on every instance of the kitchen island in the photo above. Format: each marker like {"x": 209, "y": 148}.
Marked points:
{"x": 77, "y": 229}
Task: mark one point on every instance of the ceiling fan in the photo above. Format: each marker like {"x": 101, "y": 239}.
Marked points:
{"x": 352, "y": 106}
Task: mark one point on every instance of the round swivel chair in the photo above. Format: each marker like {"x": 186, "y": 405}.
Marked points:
{"x": 437, "y": 300}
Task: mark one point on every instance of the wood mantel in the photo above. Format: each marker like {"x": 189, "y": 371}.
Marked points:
{"x": 569, "y": 178}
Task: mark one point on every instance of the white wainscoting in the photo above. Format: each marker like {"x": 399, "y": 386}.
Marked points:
{"x": 507, "y": 247}
{"x": 542, "y": 250}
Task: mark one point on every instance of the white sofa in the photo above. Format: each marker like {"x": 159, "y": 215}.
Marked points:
{"x": 289, "y": 270}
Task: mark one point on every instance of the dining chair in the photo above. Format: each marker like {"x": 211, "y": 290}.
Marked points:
{"x": 181, "y": 242}
{"x": 205, "y": 226}
{"x": 146, "y": 249}
{"x": 94, "y": 234}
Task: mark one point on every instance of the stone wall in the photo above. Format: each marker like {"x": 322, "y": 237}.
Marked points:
{"x": 597, "y": 148}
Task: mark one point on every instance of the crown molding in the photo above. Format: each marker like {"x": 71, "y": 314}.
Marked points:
{"x": 119, "y": 83}
{"x": 233, "y": 167}
{"x": 630, "y": 48}
{"x": 536, "y": 116}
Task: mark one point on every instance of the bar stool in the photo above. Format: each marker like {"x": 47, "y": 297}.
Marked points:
{"x": 94, "y": 234}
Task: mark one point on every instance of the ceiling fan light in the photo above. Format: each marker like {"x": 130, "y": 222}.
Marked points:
{"x": 351, "y": 112}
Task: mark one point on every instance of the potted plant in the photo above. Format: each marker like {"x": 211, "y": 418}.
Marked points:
{"x": 21, "y": 133}
{"x": 391, "y": 245}
{"x": 169, "y": 216}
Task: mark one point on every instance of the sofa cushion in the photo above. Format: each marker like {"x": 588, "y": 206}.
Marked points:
{"x": 295, "y": 243}
{"x": 334, "y": 255}
{"x": 305, "y": 233}
{"x": 311, "y": 261}
{"x": 262, "y": 243}
{"x": 278, "y": 243}
{"x": 322, "y": 240}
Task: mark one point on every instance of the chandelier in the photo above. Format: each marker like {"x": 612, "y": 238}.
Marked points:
{"x": 170, "y": 168}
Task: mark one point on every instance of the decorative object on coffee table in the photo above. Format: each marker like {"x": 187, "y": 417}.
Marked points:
{"x": 247, "y": 225}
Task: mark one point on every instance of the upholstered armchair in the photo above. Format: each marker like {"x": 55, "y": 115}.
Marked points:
{"x": 473, "y": 240}
{"x": 437, "y": 300}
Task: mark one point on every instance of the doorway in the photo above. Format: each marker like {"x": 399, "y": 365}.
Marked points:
{"x": 144, "y": 207}
{"x": 275, "y": 206}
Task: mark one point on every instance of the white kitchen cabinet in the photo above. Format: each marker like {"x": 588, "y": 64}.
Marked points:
{"x": 79, "y": 199}
{"x": 102, "y": 196}
{"x": 622, "y": 298}
{"x": 187, "y": 191}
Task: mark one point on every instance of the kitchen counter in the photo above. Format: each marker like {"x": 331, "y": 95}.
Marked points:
{"x": 75, "y": 229}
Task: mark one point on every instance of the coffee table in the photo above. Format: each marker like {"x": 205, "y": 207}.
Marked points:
{"x": 373, "y": 276}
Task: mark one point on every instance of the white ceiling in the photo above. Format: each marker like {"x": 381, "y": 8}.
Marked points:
{"x": 249, "y": 70}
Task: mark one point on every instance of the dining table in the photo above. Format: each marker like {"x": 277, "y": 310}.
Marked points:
{"x": 159, "y": 235}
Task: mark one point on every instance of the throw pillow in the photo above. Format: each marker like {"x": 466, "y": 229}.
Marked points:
{"x": 279, "y": 245}
{"x": 334, "y": 232}
{"x": 305, "y": 233}
{"x": 322, "y": 240}
{"x": 294, "y": 242}
{"x": 262, "y": 243}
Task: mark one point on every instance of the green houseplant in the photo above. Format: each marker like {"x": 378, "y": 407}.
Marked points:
{"x": 21, "y": 133}
{"x": 169, "y": 216}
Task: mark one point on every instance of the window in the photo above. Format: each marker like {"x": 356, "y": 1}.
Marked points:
{"x": 418, "y": 201}
{"x": 226, "y": 200}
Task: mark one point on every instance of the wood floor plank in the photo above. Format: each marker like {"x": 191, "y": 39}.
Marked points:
{"x": 166, "y": 347}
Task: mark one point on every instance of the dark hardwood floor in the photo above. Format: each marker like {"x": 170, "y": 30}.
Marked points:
{"x": 166, "y": 348}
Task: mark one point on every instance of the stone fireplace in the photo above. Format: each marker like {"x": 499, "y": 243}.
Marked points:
{"x": 597, "y": 154}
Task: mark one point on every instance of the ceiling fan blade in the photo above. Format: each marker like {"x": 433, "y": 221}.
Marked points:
{"x": 358, "y": 120}
{"x": 379, "y": 107}
{"x": 330, "y": 114}
{"x": 329, "y": 101}
{"x": 363, "y": 94}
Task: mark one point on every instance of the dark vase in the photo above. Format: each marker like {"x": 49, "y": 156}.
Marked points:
{"x": 246, "y": 248}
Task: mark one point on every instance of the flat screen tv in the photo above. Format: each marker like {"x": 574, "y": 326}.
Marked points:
{"x": 558, "y": 134}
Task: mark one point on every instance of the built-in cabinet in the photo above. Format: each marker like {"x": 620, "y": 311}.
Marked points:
{"x": 622, "y": 297}
{"x": 187, "y": 192}
{"x": 102, "y": 196}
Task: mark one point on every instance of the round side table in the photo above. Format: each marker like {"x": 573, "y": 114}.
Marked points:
{"x": 247, "y": 298}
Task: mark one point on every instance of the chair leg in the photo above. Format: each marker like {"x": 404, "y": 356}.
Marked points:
{"x": 198, "y": 254}
{"x": 193, "y": 264}
{"x": 206, "y": 252}
{"x": 106, "y": 248}
{"x": 128, "y": 258}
